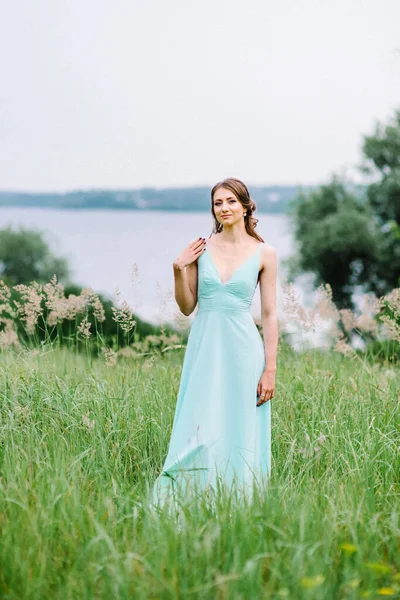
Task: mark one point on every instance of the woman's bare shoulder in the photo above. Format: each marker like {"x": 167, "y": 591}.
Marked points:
{"x": 268, "y": 249}
{"x": 268, "y": 256}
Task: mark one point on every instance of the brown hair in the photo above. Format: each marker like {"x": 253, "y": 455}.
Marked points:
{"x": 242, "y": 194}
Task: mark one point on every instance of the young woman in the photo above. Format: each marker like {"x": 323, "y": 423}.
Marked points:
{"x": 221, "y": 432}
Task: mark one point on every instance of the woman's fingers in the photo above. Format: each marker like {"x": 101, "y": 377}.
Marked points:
{"x": 197, "y": 246}
{"x": 264, "y": 395}
{"x": 196, "y": 242}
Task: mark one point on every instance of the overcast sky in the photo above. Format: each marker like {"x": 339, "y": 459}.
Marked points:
{"x": 127, "y": 93}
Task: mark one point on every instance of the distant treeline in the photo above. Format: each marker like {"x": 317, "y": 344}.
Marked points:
{"x": 270, "y": 199}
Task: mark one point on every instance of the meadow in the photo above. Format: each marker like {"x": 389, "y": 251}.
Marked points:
{"x": 82, "y": 440}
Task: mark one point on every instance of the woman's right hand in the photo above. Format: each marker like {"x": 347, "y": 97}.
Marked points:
{"x": 190, "y": 253}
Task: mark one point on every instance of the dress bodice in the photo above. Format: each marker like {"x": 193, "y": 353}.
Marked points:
{"x": 237, "y": 293}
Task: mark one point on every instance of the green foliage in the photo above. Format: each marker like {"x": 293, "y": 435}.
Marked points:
{"x": 382, "y": 156}
{"x": 347, "y": 239}
{"x": 336, "y": 239}
{"x": 25, "y": 257}
{"x": 384, "y": 351}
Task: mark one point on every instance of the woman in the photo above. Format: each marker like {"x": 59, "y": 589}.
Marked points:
{"x": 221, "y": 432}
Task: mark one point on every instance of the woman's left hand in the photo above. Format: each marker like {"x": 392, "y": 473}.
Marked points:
{"x": 266, "y": 387}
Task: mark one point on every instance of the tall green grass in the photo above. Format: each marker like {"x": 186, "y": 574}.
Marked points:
{"x": 81, "y": 443}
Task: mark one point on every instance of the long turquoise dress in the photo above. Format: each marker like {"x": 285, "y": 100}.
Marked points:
{"x": 219, "y": 434}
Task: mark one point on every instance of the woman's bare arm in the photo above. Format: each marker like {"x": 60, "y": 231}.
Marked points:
{"x": 185, "y": 276}
{"x": 269, "y": 316}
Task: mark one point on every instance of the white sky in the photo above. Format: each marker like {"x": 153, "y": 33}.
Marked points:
{"x": 119, "y": 94}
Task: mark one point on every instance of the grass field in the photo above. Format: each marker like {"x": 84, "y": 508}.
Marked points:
{"x": 81, "y": 443}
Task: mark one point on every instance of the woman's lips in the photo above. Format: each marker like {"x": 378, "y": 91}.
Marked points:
{"x": 224, "y": 216}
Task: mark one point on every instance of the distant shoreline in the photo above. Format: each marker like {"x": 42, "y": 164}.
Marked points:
{"x": 269, "y": 199}
{"x": 130, "y": 209}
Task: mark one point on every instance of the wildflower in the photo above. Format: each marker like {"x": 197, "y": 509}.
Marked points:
{"x": 293, "y": 308}
{"x": 154, "y": 340}
{"x": 127, "y": 352}
{"x": 165, "y": 298}
{"x": 87, "y": 422}
{"x": 148, "y": 364}
{"x": 123, "y": 314}
{"x": 325, "y": 305}
{"x": 181, "y": 321}
{"x": 52, "y": 318}
{"x": 312, "y": 582}
{"x": 5, "y": 292}
{"x": 8, "y": 336}
{"x": 378, "y": 568}
{"x": 23, "y": 412}
{"x": 348, "y": 319}
{"x": 110, "y": 357}
{"x": 392, "y": 301}
{"x": 31, "y": 310}
{"x": 344, "y": 348}
{"x": 386, "y": 591}
{"x": 392, "y": 329}
{"x": 84, "y": 327}
{"x": 55, "y": 301}
{"x": 135, "y": 273}
{"x": 98, "y": 309}
{"x": 349, "y": 548}
{"x": 74, "y": 305}
{"x": 366, "y": 321}
{"x": 91, "y": 298}
{"x": 135, "y": 283}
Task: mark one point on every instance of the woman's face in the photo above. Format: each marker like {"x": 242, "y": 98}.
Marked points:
{"x": 227, "y": 208}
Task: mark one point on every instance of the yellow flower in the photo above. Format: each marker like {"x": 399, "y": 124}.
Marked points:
{"x": 386, "y": 591}
{"x": 311, "y": 582}
{"x": 349, "y": 548}
{"x": 378, "y": 568}
{"x": 354, "y": 583}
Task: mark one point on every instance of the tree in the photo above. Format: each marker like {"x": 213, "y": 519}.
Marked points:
{"x": 349, "y": 239}
{"x": 26, "y": 257}
{"x": 335, "y": 239}
{"x": 382, "y": 159}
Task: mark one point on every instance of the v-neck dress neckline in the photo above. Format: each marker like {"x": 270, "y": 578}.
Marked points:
{"x": 237, "y": 269}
